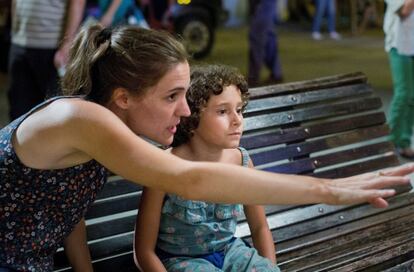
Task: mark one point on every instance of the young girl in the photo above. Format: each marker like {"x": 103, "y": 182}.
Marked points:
{"x": 176, "y": 234}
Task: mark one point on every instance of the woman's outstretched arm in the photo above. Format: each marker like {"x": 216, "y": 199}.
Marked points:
{"x": 118, "y": 148}
{"x": 86, "y": 130}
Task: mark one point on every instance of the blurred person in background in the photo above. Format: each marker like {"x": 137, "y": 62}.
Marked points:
{"x": 263, "y": 42}
{"x": 322, "y": 7}
{"x": 115, "y": 13}
{"x": 42, "y": 31}
{"x": 399, "y": 43}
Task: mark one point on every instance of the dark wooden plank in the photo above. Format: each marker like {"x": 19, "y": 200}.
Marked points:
{"x": 359, "y": 168}
{"x": 314, "y": 84}
{"x": 282, "y": 136}
{"x": 124, "y": 261}
{"x": 118, "y": 186}
{"x": 102, "y": 249}
{"x": 311, "y": 113}
{"x": 310, "y": 164}
{"x": 301, "y": 227}
{"x": 320, "y": 96}
{"x": 114, "y": 205}
{"x": 386, "y": 253}
{"x": 296, "y": 239}
{"x": 407, "y": 266}
{"x": 112, "y": 246}
{"x": 335, "y": 251}
{"x": 352, "y": 254}
{"x": 311, "y": 146}
{"x": 111, "y": 228}
{"x": 373, "y": 249}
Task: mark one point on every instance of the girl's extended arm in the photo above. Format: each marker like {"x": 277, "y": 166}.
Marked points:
{"x": 261, "y": 235}
{"x": 146, "y": 231}
{"x": 77, "y": 130}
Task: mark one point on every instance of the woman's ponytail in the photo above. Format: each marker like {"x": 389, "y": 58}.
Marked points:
{"x": 91, "y": 43}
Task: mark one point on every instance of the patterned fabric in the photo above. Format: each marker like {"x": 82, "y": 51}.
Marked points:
{"x": 196, "y": 227}
{"x": 39, "y": 208}
{"x": 238, "y": 258}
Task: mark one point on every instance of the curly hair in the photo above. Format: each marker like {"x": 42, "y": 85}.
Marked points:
{"x": 206, "y": 81}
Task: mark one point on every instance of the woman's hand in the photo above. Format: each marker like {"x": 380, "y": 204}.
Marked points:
{"x": 367, "y": 187}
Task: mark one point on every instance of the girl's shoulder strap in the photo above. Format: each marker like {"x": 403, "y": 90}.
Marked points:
{"x": 245, "y": 156}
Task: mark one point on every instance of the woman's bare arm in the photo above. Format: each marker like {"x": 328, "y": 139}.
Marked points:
{"x": 77, "y": 250}
{"x": 87, "y": 130}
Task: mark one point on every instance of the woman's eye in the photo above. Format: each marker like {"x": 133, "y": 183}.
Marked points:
{"x": 172, "y": 97}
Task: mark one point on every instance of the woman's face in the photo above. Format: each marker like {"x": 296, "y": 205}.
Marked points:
{"x": 221, "y": 121}
{"x": 157, "y": 113}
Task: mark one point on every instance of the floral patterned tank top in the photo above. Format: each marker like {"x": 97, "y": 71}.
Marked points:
{"x": 190, "y": 228}
{"x": 40, "y": 208}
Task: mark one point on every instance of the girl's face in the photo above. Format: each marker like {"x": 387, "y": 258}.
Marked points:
{"x": 157, "y": 113}
{"x": 221, "y": 121}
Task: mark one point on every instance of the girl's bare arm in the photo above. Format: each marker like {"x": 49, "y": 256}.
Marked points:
{"x": 146, "y": 231}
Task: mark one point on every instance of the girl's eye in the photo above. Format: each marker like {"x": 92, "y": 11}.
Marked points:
{"x": 240, "y": 110}
{"x": 223, "y": 111}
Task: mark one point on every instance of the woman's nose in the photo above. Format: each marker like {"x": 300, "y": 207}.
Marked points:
{"x": 183, "y": 109}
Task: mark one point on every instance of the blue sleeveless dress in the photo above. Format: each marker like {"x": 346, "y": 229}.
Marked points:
{"x": 199, "y": 236}
{"x": 40, "y": 208}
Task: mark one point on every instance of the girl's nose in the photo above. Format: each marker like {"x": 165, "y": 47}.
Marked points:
{"x": 237, "y": 118}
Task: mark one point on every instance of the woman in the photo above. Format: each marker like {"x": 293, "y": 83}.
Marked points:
{"x": 125, "y": 83}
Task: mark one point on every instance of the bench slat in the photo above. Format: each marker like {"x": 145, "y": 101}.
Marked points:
{"x": 311, "y": 146}
{"x": 407, "y": 266}
{"x": 314, "y": 84}
{"x": 327, "y": 253}
{"x": 308, "y": 165}
{"x": 118, "y": 186}
{"x": 273, "y": 103}
{"x": 359, "y": 168}
{"x": 110, "y": 206}
{"x": 371, "y": 249}
{"x": 311, "y": 113}
{"x": 304, "y": 132}
{"x": 292, "y": 240}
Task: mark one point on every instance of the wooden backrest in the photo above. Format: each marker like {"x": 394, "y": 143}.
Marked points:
{"x": 329, "y": 127}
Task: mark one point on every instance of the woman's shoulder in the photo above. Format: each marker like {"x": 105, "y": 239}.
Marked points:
{"x": 76, "y": 112}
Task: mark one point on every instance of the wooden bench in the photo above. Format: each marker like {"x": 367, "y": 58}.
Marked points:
{"x": 328, "y": 127}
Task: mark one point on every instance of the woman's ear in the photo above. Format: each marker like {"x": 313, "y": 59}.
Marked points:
{"x": 120, "y": 97}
